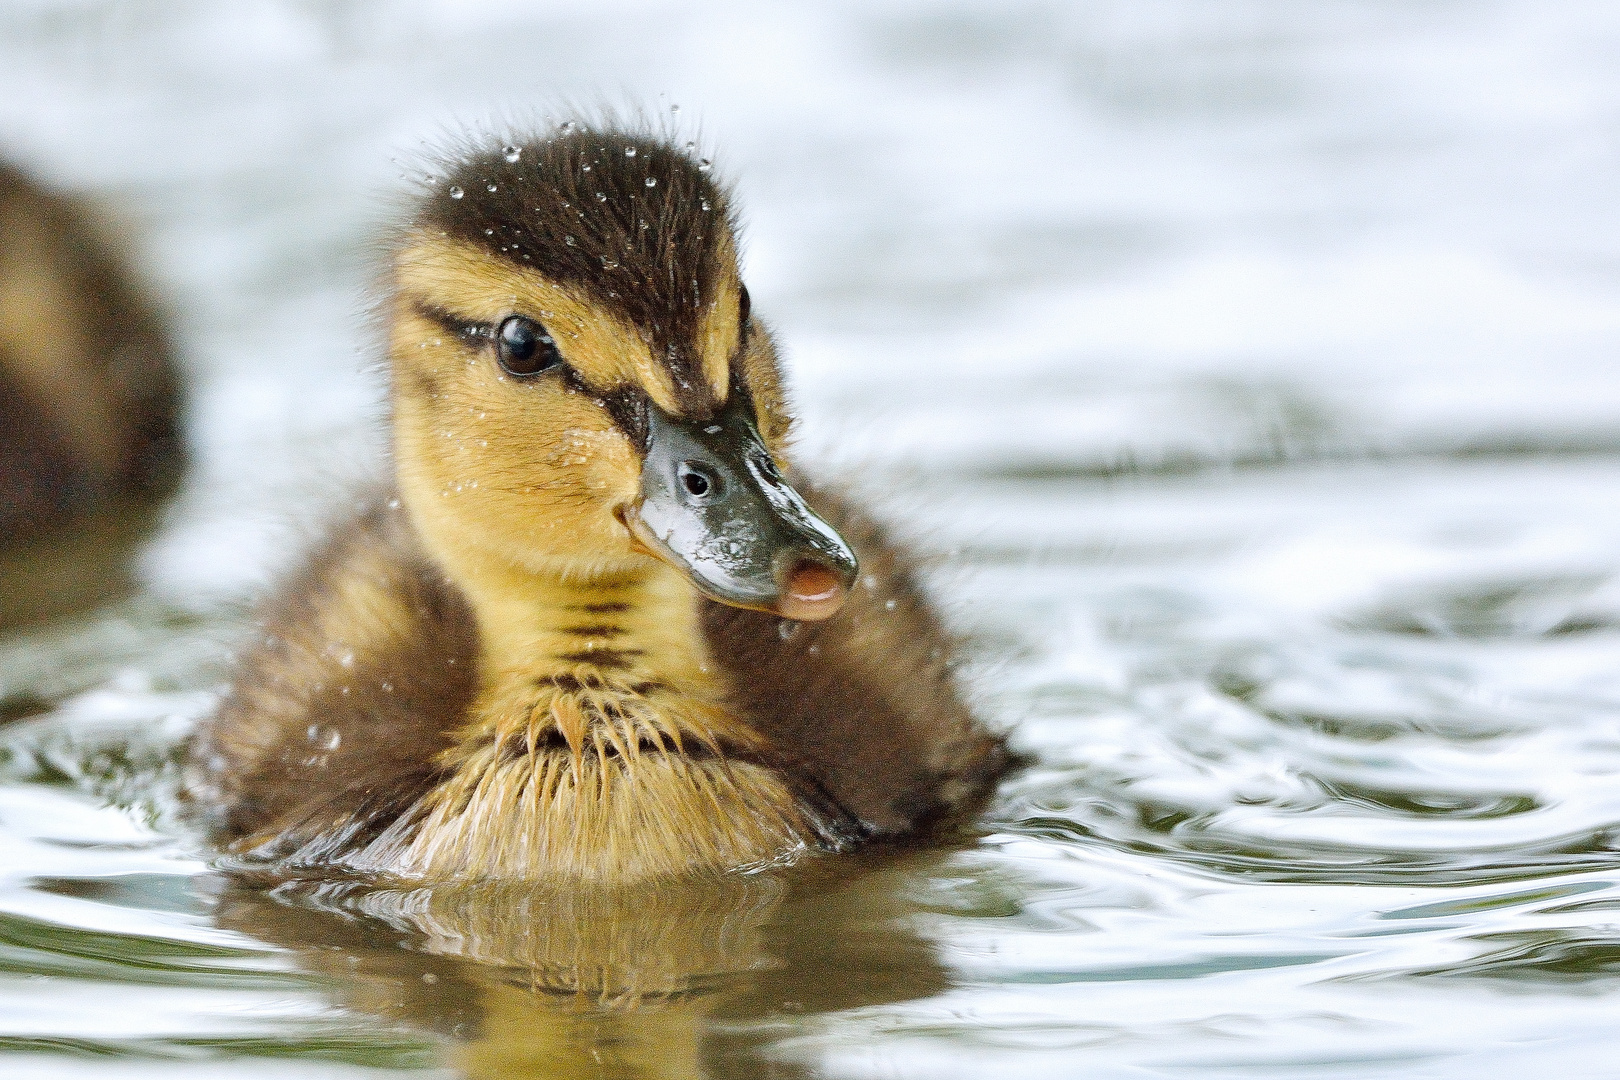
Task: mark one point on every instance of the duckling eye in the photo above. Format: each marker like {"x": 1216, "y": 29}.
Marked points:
{"x": 524, "y": 347}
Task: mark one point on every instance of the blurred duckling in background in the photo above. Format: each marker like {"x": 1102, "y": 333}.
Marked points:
{"x": 90, "y": 403}
{"x": 601, "y": 630}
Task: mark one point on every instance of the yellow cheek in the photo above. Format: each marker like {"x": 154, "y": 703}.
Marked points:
{"x": 531, "y": 467}
{"x": 600, "y": 461}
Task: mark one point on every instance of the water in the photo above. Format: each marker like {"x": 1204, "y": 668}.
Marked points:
{"x": 1250, "y": 366}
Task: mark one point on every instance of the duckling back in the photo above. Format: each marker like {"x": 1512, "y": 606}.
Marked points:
{"x": 362, "y": 668}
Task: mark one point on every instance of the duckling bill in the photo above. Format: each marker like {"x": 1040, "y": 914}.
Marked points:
{"x": 714, "y": 506}
{"x": 600, "y": 628}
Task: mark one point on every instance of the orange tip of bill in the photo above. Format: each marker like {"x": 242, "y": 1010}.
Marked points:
{"x": 813, "y": 593}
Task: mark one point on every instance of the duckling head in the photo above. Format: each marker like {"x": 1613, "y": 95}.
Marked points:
{"x": 579, "y": 383}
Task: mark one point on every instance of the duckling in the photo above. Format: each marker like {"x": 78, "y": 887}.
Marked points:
{"x": 90, "y": 407}
{"x": 89, "y": 391}
{"x": 599, "y": 628}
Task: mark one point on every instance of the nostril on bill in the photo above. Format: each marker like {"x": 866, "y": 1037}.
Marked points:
{"x": 697, "y": 480}
{"x": 812, "y": 593}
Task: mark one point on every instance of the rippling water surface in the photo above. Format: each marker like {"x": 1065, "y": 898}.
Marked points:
{"x": 1249, "y": 365}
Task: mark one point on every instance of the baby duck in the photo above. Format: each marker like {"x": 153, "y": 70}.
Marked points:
{"x": 89, "y": 391}
{"x": 600, "y": 629}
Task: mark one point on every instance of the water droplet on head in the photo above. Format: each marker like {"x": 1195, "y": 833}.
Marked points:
{"x": 706, "y": 205}
{"x": 512, "y": 153}
{"x": 569, "y": 240}
{"x": 629, "y": 151}
{"x": 601, "y": 197}
{"x": 492, "y": 187}
{"x": 652, "y": 181}
{"x": 585, "y": 167}
{"x": 456, "y": 193}
{"x": 566, "y": 125}
{"x": 690, "y": 145}
{"x": 705, "y": 165}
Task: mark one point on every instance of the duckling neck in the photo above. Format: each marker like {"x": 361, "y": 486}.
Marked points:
{"x": 637, "y": 627}
{"x": 597, "y": 746}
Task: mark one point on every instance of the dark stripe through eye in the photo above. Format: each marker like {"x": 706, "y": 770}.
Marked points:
{"x": 453, "y": 324}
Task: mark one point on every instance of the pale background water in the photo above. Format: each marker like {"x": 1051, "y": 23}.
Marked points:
{"x": 1252, "y": 365}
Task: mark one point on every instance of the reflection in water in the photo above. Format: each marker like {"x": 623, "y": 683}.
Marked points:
{"x": 87, "y": 562}
{"x": 672, "y": 979}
